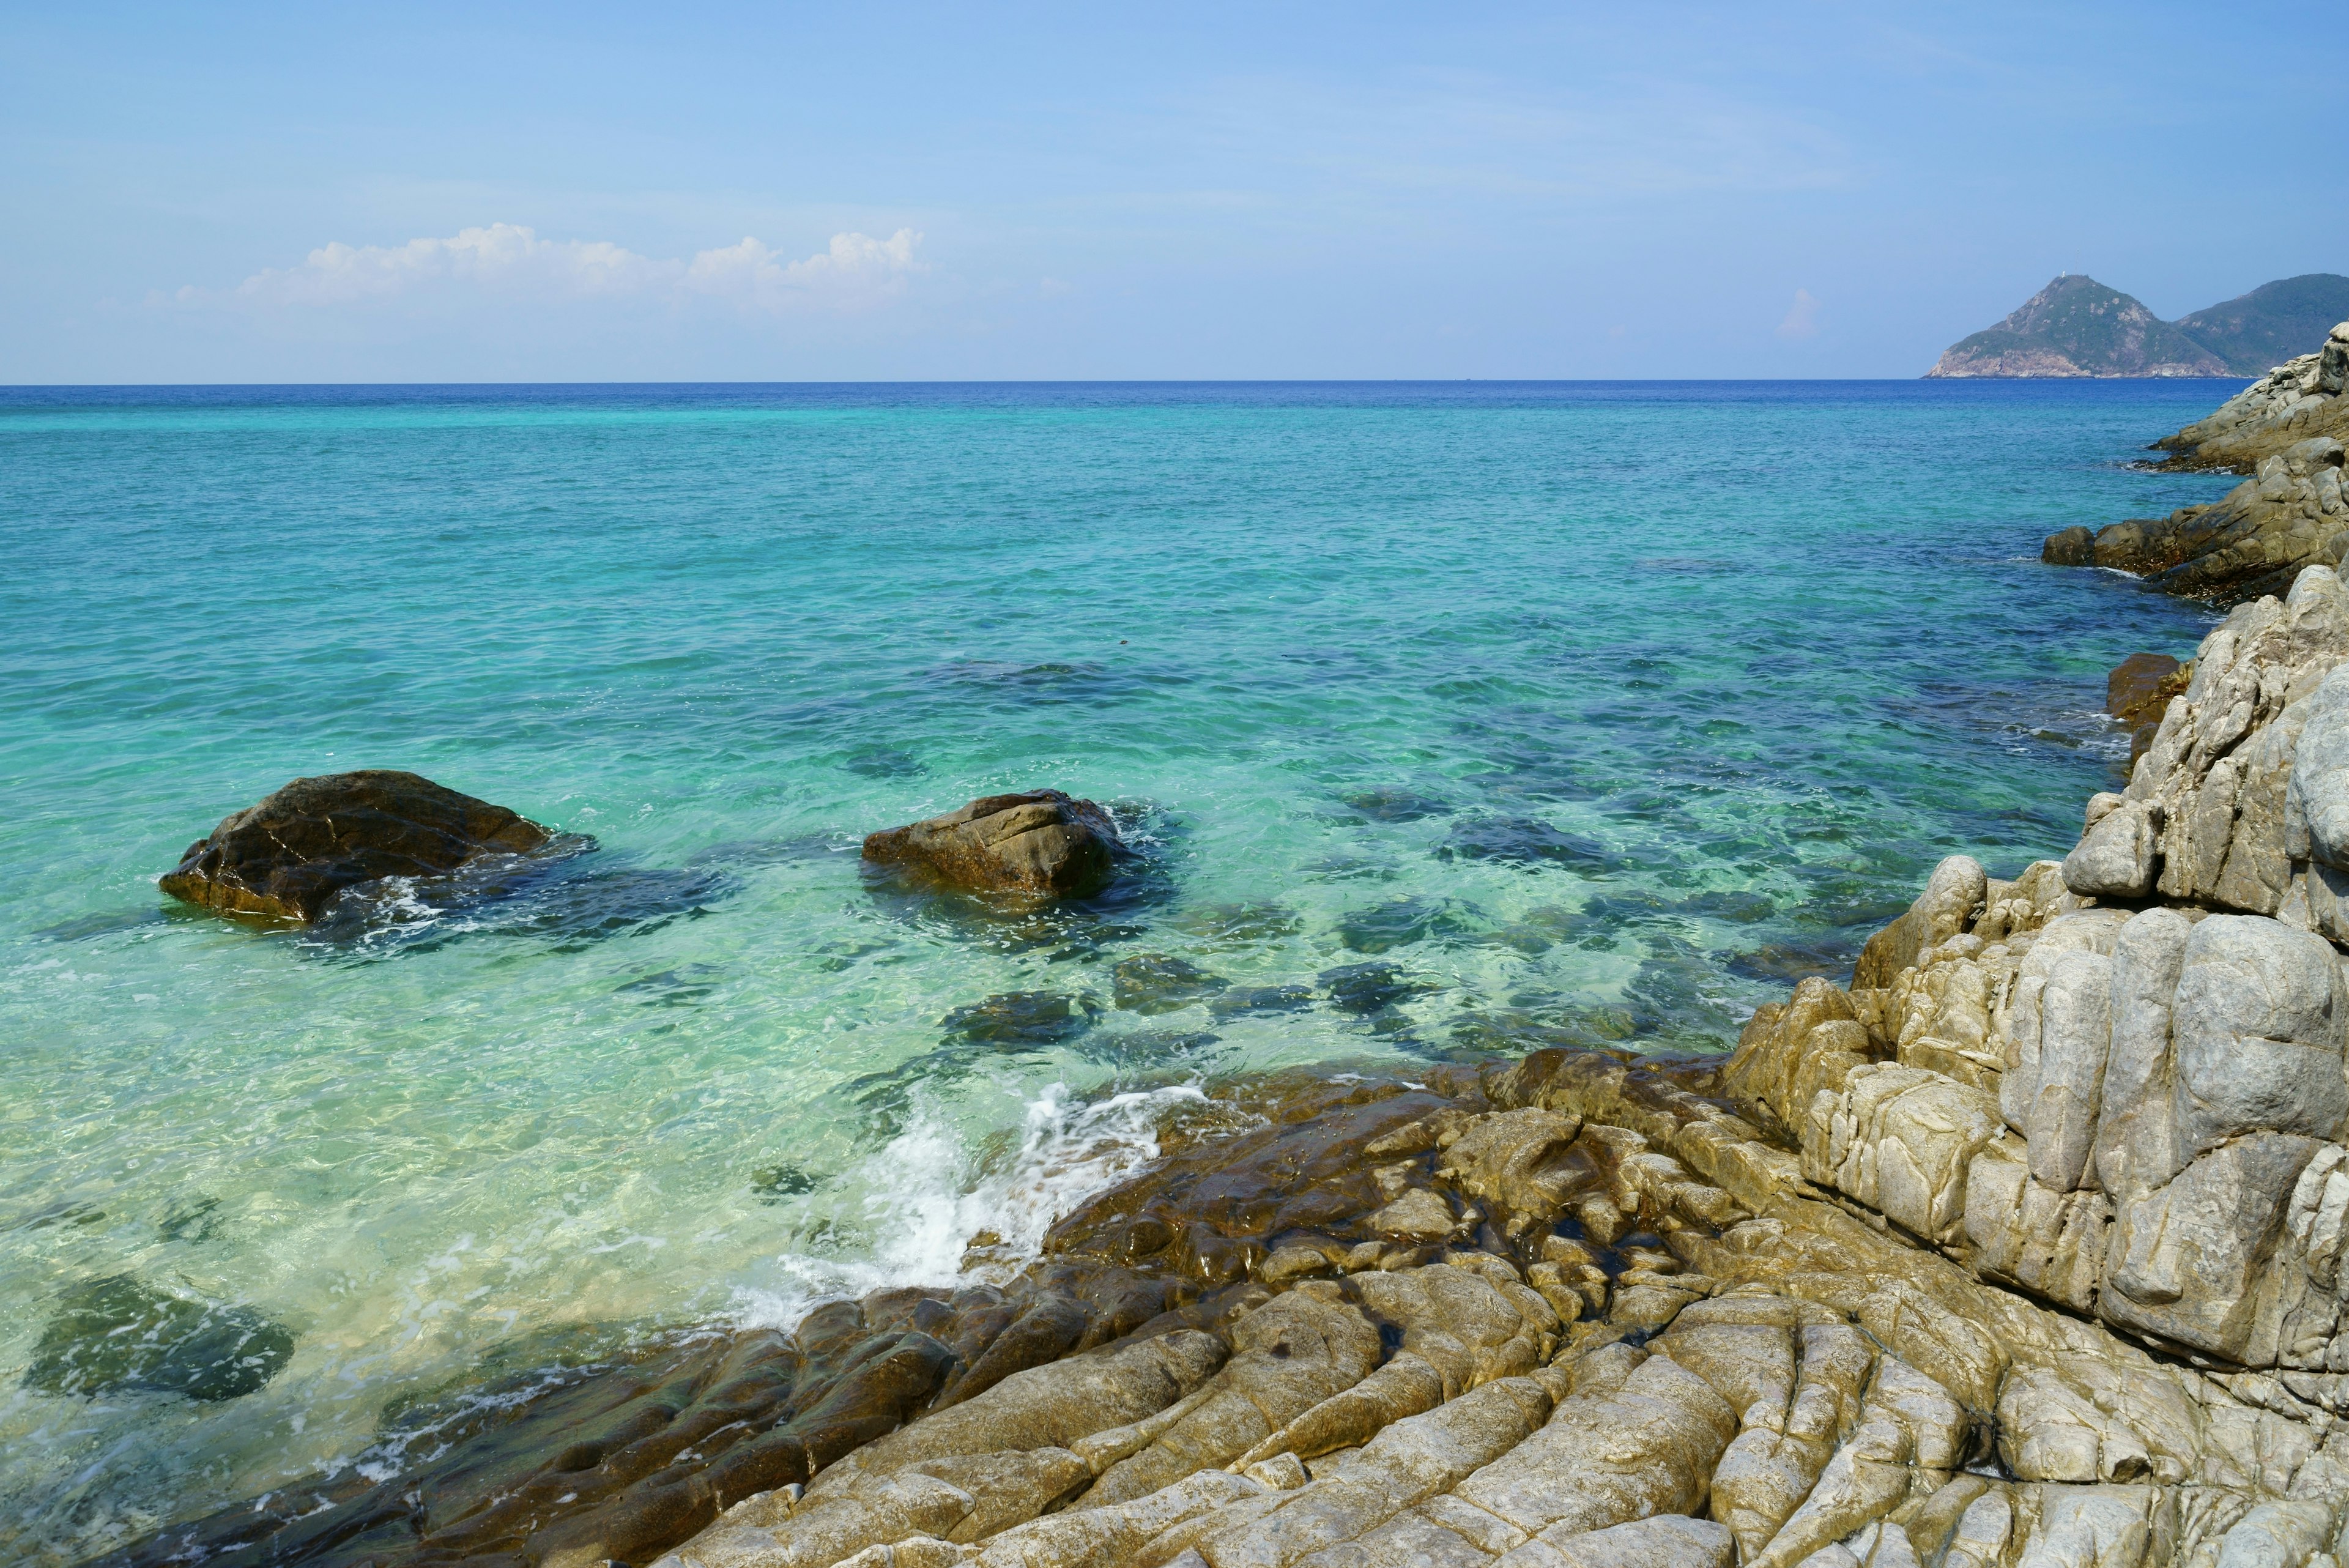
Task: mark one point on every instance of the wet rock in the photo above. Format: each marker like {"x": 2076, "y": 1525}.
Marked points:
{"x": 1152, "y": 983}
{"x": 290, "y": 854}
{"x": 1043, "y": 844}
{"x": 2138, "y": 690}
{"x": 118, "y": 1336}
{"x": 1368, "y": 987}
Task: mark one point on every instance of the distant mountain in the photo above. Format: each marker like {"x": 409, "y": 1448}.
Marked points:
{"x": 2272, "y": 323}
{"x": 2077, "y": 327}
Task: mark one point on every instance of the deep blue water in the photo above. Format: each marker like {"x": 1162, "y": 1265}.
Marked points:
{"x": 1450, "y": 717}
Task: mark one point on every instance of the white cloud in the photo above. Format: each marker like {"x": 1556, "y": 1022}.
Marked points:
{"x": 510, "y": 261}
{"x": 1801, "y": 318}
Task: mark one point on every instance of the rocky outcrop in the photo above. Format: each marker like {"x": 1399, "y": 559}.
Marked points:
{"x": 2254, "y": 540}
{"x": 1040, "y": 844}
{"x": 2298, "y": 400}
{"x": 289, "y": 856}
{"x": 2024, "y": 1250}
{"x": 2286, "y": 431}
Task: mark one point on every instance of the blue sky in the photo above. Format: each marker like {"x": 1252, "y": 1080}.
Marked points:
{"x": 876, "y": 192}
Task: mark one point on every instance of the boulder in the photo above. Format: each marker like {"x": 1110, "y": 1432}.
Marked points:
{"x": 289, "y": 856}
{"x": 1043, "y": 844}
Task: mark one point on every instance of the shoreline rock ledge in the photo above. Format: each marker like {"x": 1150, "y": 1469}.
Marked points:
{"x": 2286, "y": 432}
{"x": 2025, "y": 1250}
{"x": 290, "y": 854}
{"x": 1039, "y": 843}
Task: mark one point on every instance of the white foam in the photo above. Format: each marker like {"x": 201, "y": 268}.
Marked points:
{"x": 927, "y": 1194}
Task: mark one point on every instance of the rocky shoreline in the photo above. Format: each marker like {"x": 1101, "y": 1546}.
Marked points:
{"x": 2021, "y": 1248}
{"x": 2286, "y": 432}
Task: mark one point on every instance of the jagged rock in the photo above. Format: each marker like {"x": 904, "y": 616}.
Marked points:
{"x": 1043, "y": 844}
{"x": 290, "y": 854}
{"x": 1952, "y": 896}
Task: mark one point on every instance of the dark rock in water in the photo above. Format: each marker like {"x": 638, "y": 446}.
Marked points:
{"x": 1743, "y": 909}
{"x": 2137, "y": 694}
{"x": 1022, "y": 1018}
{"x": 549, "y": 1461}
{"x": 289, "y": 856}
{"x": 1234, "y": 925}
{"x": 1151, "y": 984}
{"x": 773, "y": 1183}
{"x": 1406, "y": 921}
{"x": 1260, "y": 999}
{"x": 116, "y": 1336}
{"x": 2072, "y": 547}
{"x": 1368, "y": 987}
{"x": 1391, "y": 805}
{"x": 1043, "y": 844}
{"x": 1521, "y": 841}
{"x": 885, "y": 763}
{"x": 1784, "y": 962}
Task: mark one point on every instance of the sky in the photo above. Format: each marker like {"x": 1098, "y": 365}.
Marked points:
{"x": 878, "y": 191}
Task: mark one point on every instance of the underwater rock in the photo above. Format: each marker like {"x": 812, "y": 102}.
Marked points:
{"x": 1043, "y": 844}
{"x": 1521, "y": 841}
{"x": 1151, "y": 984}
{"x": 290, "y": 854}
{"x": 118, "y": 1336}
{"x": 1021, "y": 1018}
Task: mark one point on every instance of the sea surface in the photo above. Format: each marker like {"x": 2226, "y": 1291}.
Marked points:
{"x": 1447, "y": 719}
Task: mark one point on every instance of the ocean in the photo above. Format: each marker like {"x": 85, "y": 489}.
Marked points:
{"x": 1448, "y": 720}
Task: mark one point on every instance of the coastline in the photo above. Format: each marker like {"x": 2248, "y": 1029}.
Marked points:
{"x": 1464, "y": 1091}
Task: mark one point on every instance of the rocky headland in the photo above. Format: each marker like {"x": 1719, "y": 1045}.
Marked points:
{"x": 2285, "y": 431}
{"x": 2022, "y": 1249}
{"x": 2077, "y": 327}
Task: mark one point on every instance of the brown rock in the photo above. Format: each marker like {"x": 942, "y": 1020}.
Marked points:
{"x": 2137, "y": 694}
{"x": 1043, "y": 844}
{"x": 290, "y": 854}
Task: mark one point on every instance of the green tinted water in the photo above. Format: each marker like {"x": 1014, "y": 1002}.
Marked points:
{"x": 1448, "y": 718}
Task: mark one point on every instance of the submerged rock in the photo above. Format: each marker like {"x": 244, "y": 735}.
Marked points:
{"x": 1152, "y": 983}
{"x": 1042, "y": 844}
{"x": 118, "y": 1335}
{"x": 289, "y": 856}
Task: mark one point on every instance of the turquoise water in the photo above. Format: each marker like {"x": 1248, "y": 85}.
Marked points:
{"x": 1449, "y": 718}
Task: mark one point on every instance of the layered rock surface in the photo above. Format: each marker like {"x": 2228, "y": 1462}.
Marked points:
{"x": 2022, "y": 1249}
{"x": 289, "y": 856}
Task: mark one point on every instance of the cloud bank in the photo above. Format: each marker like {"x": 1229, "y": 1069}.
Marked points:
{"x": 510, "y": 261}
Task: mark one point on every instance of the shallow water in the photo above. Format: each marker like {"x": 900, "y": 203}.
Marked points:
{"x": 1449, "y": 718}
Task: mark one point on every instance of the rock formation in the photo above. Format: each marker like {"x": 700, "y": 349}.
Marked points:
{"x": 2286, "y": 432}
{"x": 2300, "y": 399}
{"x": 1042, "y": 844}
{"x": 288, "y": 856}
{"x": 2252, "y": 541}
{"x": 2023, "y": 1250}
